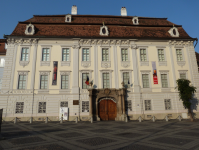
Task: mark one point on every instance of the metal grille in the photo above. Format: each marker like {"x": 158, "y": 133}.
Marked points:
{"x": 164, "y": 80}
{"x": 161, "y": 54}
{"x": 84, "y": 78}
{"x": 64, "y": 104}
{"x": 182, "y": 76}
{"x": 167, "y": 103}
{"x": 179, "y": 54}
{"x": 128, "y": 105}
{"x": 126, "y": 79}
{"x": 44, "y": 82}
{"x": 19, "y": 107}
{"x": 85, "y": 54}
{"x": 143, "y": 55}
{"x": 22, "y": 82}
{"x": 42, "y": 107}
{"x": 145, "y": 80}
{"x": 85, "y": 106}
{"x": 106, "y": 80}
{"x": 147, "y": 104}
{"x": 124, "y": 54}
{"x": 45, "y": 54}
{"x": 64, "y": 81}
{"x": 65, "y": 54}
{"x": 105, "y": 55}
{"x": 24, "y": 54}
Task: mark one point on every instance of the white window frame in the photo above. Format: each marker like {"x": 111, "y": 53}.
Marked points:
{"x": 170, "y": 104}
{"x": 82, "y": 106}
{"x": 127, "y": 53}
{"x": 63, "y": 101}
{"x": 168, "y": 81}
{"x": 110, "y": 76}
{"x": 38, "y": 107}
{"x": 70, "y": 18}
{"x": 183, "y": 71}
{"x": 22, "y": 73}
{"x": 65, "y": 63}
{"x": 85, "y": 64}
{"x": 133, "y": 20}
{"x": 45, "y": 63}
{"x": 16, "y": 106}
{"x": 144, "y": 63}
{"x": 39, "y": 82}
{"x": 182, "y": 54}
{"x": 24, "y": 63}
{"x": 81, "y": 77}
{"x": 105, "y": 64}
{"x": 145, "y": 105}
{"x": 130, "y": 75}
{"x": 162, "y": 63}
{"x": 146, "y": 72}
{"x": 69, "y": 76}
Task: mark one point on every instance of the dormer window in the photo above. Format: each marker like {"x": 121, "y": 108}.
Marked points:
{"x": 68, "y": 18}
{"x": 30, "y": 29}
{"x": 174, "y": 32}
{"x": 104, "y": 30}
{"x": 135, "y": 21}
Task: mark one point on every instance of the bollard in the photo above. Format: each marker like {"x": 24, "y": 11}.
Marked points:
{"x": 179, "y": 117}
{"x": 76, "y": 120}
{"x": 91, "y": 119}
{"x": 30, "y": 119}
{"x": 15, "y": 121}
{"x": 153, "y": 118}
{"x": 126, "y": 119}
{"x": 61, "y": 121}
{"x": 46, "y": 120}
{"x": 166, "y": 118}
{"x": 140, "y": 119}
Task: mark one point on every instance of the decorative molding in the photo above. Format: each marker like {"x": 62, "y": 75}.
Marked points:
{"x": 125, "y": 64}
{"x": 65, "y": 63}
{"x": 181, "y": 63}
{"x": 30, "y": 29}
{"x": 165, "y": 89}
{"x": 164, "y": 72}
{"x": 75, "y": 46}
{"x": 45, "y": 63}
{"x": 10, "y": 41}
{"x": 144, "y": 63}
{"x": 44, "y": 72}
{"x": 162, "y": 63}
{"x": 180, "y": 44}
{"x": 145, "y": 71}
{"x": 24, "y": 63}
{"x": 105, "y": 64}
{"x": 134, "y": 46}
{"x": 62, "y": 91}
{"x": 135, "y": 20}
{"x": 43, "y": 91}
{"x": 86, "y": 64}
{"x": 104, "y": 30}
{"x": 23, "y": 72}
{"x": 182, "y": 71}
{"x": 146, "y": 90}
{"x": 65, "y": 72}
{"x": 174, "y": 32}
{"x": 68, "y": 18}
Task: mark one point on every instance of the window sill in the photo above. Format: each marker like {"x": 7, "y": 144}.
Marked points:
{"x": 144, "y": 63}
{"x": 83, "y": 90}
{"x": 24, "y": 63}
{"x": 146, "y": 90}
{"x": 86, "y": 64}
{"x": 181, "y": 63}
{"x": 165, "y": 89}
{"x": 45, "y": 63}
{"x": 105, "y": 64}
{"x": 64, "y": 91}
{"x": 125, "y": 64}
{"x": 43, "y": 91}
{"x": 162, "y": 63}
{"x": 65, "y": 63}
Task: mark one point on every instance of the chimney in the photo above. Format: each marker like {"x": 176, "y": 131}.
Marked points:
{"x": 74, "y": 10}
{"x": 123, "y": 11}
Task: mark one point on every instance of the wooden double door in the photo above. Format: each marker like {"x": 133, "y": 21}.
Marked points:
{"x": 107, "y": 110}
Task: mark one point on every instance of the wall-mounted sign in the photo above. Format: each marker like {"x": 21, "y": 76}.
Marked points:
{"x": 155, "y": 78}
{"x": 63, "y": 113}
{"x": 55, "y": 67}
{"x": 75, "y": 102}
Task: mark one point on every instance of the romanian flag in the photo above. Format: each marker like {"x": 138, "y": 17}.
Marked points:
{"x": 87, "y": 80}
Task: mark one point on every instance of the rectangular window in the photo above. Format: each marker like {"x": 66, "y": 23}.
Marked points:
{"x": 85, "y": 106}
{"x": 182, "y": 75}
{"x": 45, "y": 54}
{"x": 85, "y": 54}
{"x": 22, "y": 82}
{"x": 145, "y": 80}
{"x": 179, "y": 55}
{"x": 42, "y": 107}
{"x": 84, "y": 78}
{"x": 105, "y": 55}
{"x": 64, "y": 82}
{"x": 164, "y": 80}
{"x": 44, "y": 82}
{"x": 167, "y": 103}
{"x": 147, "y": 104}
{"x": 19, "y": 107}
{"x": 160, "y": 54}
{"x": 126, "y": 79}
{"x": 24, "y": 54}
{"x": 128, "y": 105}
{"x": 106, "y": 83}
{"x": 124, "y": 54}
{"x": 65, "y": 54}
{"x": 143, "y": 56}
{"x": 64, "y": 104}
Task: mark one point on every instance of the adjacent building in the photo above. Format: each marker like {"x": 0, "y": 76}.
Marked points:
{"x": 2, "y": 58}
{"x": 105, "y": 67}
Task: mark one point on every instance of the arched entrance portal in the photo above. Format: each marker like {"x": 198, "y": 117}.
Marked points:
{"x": 107, "y": 109}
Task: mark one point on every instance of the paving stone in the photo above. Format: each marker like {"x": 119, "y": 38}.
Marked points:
{"x": 81, "y": 127}
{"x": 52, "y": 130}
{"x": 46, "y": 147}
{"x": 100, "y": 130}
{"x": 26, "y": 140}
{"x": 138, "y": 147}
{"x": 188, "y": 134}
{"x": 70, "y": 135}
{"x": 40, "y": 126}
{"x": 124, "y": 127}
{"x": 10, "y": 129}
{"x": 15, "y": 134}
{"x": 172, "y": 141}
{"x": 151, "y": 130}
{"x": 96, "y": 141}
{"x": 129, "y": 135}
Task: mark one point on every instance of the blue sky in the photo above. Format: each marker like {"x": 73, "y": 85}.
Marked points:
{"x": 182, "y": 12}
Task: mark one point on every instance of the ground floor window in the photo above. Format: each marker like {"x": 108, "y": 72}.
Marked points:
{"x": 42, "y": 107}
{"x": 147, "y": 104}
{"x": 167, "y": 103}
{"x": 19, "y": 107}
{"x": 85, "y": 106}
{"x": 64, "y": 104}
{"x": 128, "y": 105}
{"x": 106, "y": 81}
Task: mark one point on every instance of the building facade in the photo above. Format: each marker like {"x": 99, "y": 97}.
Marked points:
{"x": 2, "y": 58}
{"x": 132, "y": 64}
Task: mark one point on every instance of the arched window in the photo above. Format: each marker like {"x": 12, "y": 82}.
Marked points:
{"x": 104, "y": 31}
{"x": 135, "y": 20}
{"x": 29, "y": 29}
{"x": 174, "y": 32}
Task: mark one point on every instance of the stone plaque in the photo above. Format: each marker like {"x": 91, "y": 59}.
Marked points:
{"x": 75, "y": 102}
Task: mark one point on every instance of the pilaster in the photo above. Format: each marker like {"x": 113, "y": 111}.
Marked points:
{"x": 172, "y": 65}
{"x": 116, "y": 66}
{"x": 34, "y": 64}
{"x": 96, "y": 65}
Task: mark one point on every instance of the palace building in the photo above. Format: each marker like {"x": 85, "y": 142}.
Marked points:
{"x": 104, "y": 67}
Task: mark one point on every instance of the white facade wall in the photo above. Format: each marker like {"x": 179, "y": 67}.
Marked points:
{"x": 34, "y": 67}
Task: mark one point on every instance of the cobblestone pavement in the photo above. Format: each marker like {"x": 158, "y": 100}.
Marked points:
{"x": 110, "y": 135}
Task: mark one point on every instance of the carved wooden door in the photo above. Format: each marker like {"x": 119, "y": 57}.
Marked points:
{"x": 107, "y": 110}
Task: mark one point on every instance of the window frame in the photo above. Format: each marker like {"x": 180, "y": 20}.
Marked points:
{"x": 45, "y": 63}
{"x": 82, "y": 47}
{"x": 26, "y": 62}
{"x": 85, "y": 106}
{"x": 150, "y": 104}
{"x": 182, "y": 54}
{"x": 147, "y": 58}
{"x": 61, "y": 102}
{"x": 16, "y": 107}
{"x": 183, "y": 72}
{"x": 109, "y": 53}
{"x": 110, "y": 77}
{"x": 127, "y": 106}
{"x": 45, "y": 108}
{"x": 44, "y": 73}
{"x": 161, "y": 48}
{"x": 103, "y": 79}
{"x": 128, "y": 53}
{"x": 28, "y": 47}
{"x": 60, "y": 81}
{"x": 167, "y": 73}
{"x": 22, "y": 73}
{"x": 170, "y": 104}
{"x": 81, "y": 77}
{"x": 146, "y": 72}
{"x": 86, "y": 79}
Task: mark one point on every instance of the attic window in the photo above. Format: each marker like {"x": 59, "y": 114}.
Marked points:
{"x": 104, "y": 30}
{"x": 174, "y": 32}
{"x": 30, "y": 29}
{"x": 68, "y": 18}
{"x": 135, "y": 21}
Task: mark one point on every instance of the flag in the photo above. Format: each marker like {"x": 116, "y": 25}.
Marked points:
{"x": 87, "y": 80}
{"x": 128, "y": 81}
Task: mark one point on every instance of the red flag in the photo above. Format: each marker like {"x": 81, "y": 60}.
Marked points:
{"x": 87, "y": 80}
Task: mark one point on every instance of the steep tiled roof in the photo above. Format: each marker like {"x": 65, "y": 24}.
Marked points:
{"x": 2, "y": 46}
{"x": 88, "y": 26}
